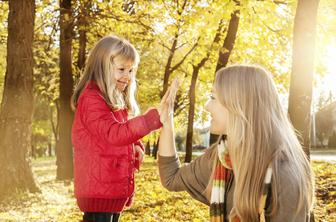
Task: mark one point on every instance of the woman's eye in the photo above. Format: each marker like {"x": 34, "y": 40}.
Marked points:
{"x": 121, "y": 69}
{"x": 130, "y": 71}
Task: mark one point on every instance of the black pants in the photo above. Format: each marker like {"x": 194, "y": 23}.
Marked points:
{"x": 100, "y": 217}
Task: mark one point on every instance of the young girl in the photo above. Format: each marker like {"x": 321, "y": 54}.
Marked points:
{"x": 260, "y": 172}
{"x": 106, "y": 143}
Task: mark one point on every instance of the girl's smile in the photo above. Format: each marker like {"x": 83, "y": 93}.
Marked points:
{"x": 123, "y": 71}
{"x": 122, "y": 84}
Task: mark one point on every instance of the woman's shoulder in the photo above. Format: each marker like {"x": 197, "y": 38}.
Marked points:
{"x": 288, "y": 195}
{"x": 290, "y": 182}
{"x": 286, "y": 175}
{"x": 211, "y": 151}
{"x": 208, "y": 157}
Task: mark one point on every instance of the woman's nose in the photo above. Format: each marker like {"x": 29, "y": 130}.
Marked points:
{"x": 207, "y": 106}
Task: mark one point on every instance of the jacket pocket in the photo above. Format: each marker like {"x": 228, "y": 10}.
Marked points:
{"x": 113, "y": 169}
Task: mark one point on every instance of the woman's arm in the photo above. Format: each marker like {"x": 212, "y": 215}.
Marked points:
{"x": 192, "y": 177}
{"x": 167, "y": 141}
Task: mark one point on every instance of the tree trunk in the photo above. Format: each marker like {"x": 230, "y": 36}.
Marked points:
{"x": 147, "y": 149}
{"x": 301, "y": 83}
{"x": 225, "y": 52}
{"x": 192, "y": 90}
{"x": 84, "y": 7}
{"x": 64, "y": 145}
{"x": 191, "y": 113}
{"x": 155, "y": 149}
{"x": 82, "y": 48}
{"x": 17, "y": 101}
{"x": 167, "y": 71}
{"x": 49, "y": 149}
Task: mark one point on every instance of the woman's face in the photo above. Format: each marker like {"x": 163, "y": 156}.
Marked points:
{"x": 219, "y": 114}
{"x": 123, "y": 71}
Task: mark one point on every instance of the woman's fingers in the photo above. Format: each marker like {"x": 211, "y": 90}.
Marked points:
{"x": 174, "y": 88}
{"x": 163, "y": 101}
{"x": 170, "y": 91}
{"x": 167, "y": 103}
{"x": 166, "y": 96}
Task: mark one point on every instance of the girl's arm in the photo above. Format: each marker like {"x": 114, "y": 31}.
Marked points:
{"x": 98, "y": 120}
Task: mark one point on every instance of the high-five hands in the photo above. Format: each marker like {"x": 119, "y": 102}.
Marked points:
{"x": 166, "y": 108}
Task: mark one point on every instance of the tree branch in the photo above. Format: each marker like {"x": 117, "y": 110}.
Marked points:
{"x": 278, "y": 2}
{"x": 185, "y": 56}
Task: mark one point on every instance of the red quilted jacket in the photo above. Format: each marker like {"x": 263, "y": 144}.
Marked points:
{"x": 104, "y": 161}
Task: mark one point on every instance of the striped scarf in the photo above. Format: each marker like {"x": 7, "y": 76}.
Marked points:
{"x": 222, "y": 181}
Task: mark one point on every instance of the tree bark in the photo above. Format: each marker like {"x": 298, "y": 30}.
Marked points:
{"x": 17, "y": 101}
{"x": 82, "y": 48}
{"x": 192, "y": 94}
{"x": 167, "y": 71}
{"x": 64, "y": 145}
{"x": 191, "y": 112}
{"x": 225, "y": 52}
{"x": 82, "y": 26}
{"x": 301, "y": 83}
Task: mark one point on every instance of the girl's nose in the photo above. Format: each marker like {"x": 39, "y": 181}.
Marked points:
{"x": 125, "y": 76}
{"x": 128, "y": 75}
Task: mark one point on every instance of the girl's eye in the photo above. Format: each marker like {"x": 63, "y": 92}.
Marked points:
{"x": 130, "y": 71}
{"x": 121, "y": 69}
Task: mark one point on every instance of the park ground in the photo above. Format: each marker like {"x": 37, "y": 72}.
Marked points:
{"x": 56, "y": 202}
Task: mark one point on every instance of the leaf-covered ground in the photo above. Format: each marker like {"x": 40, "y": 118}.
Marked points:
{"x": 152, "y": 202}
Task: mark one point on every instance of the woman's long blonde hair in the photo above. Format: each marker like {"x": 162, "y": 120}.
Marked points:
{"x": 259, "y": 133}
{"x": 99, "y": 68}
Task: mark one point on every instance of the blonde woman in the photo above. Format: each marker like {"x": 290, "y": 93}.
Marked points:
{"x": 258, "y": 171}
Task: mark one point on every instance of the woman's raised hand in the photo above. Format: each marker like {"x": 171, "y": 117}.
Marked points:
{"x": 166, "y": 108}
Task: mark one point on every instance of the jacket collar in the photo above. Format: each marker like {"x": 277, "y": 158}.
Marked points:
{"x": 92, "y": 85}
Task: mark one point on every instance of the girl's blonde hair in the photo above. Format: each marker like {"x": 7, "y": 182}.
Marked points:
{"x": 259, "y": 133}
{"x": 99, "y": 68}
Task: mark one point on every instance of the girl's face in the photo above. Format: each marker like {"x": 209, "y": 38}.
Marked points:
{"x": 123, "y": 71}
{"x": 219, "y": 115}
